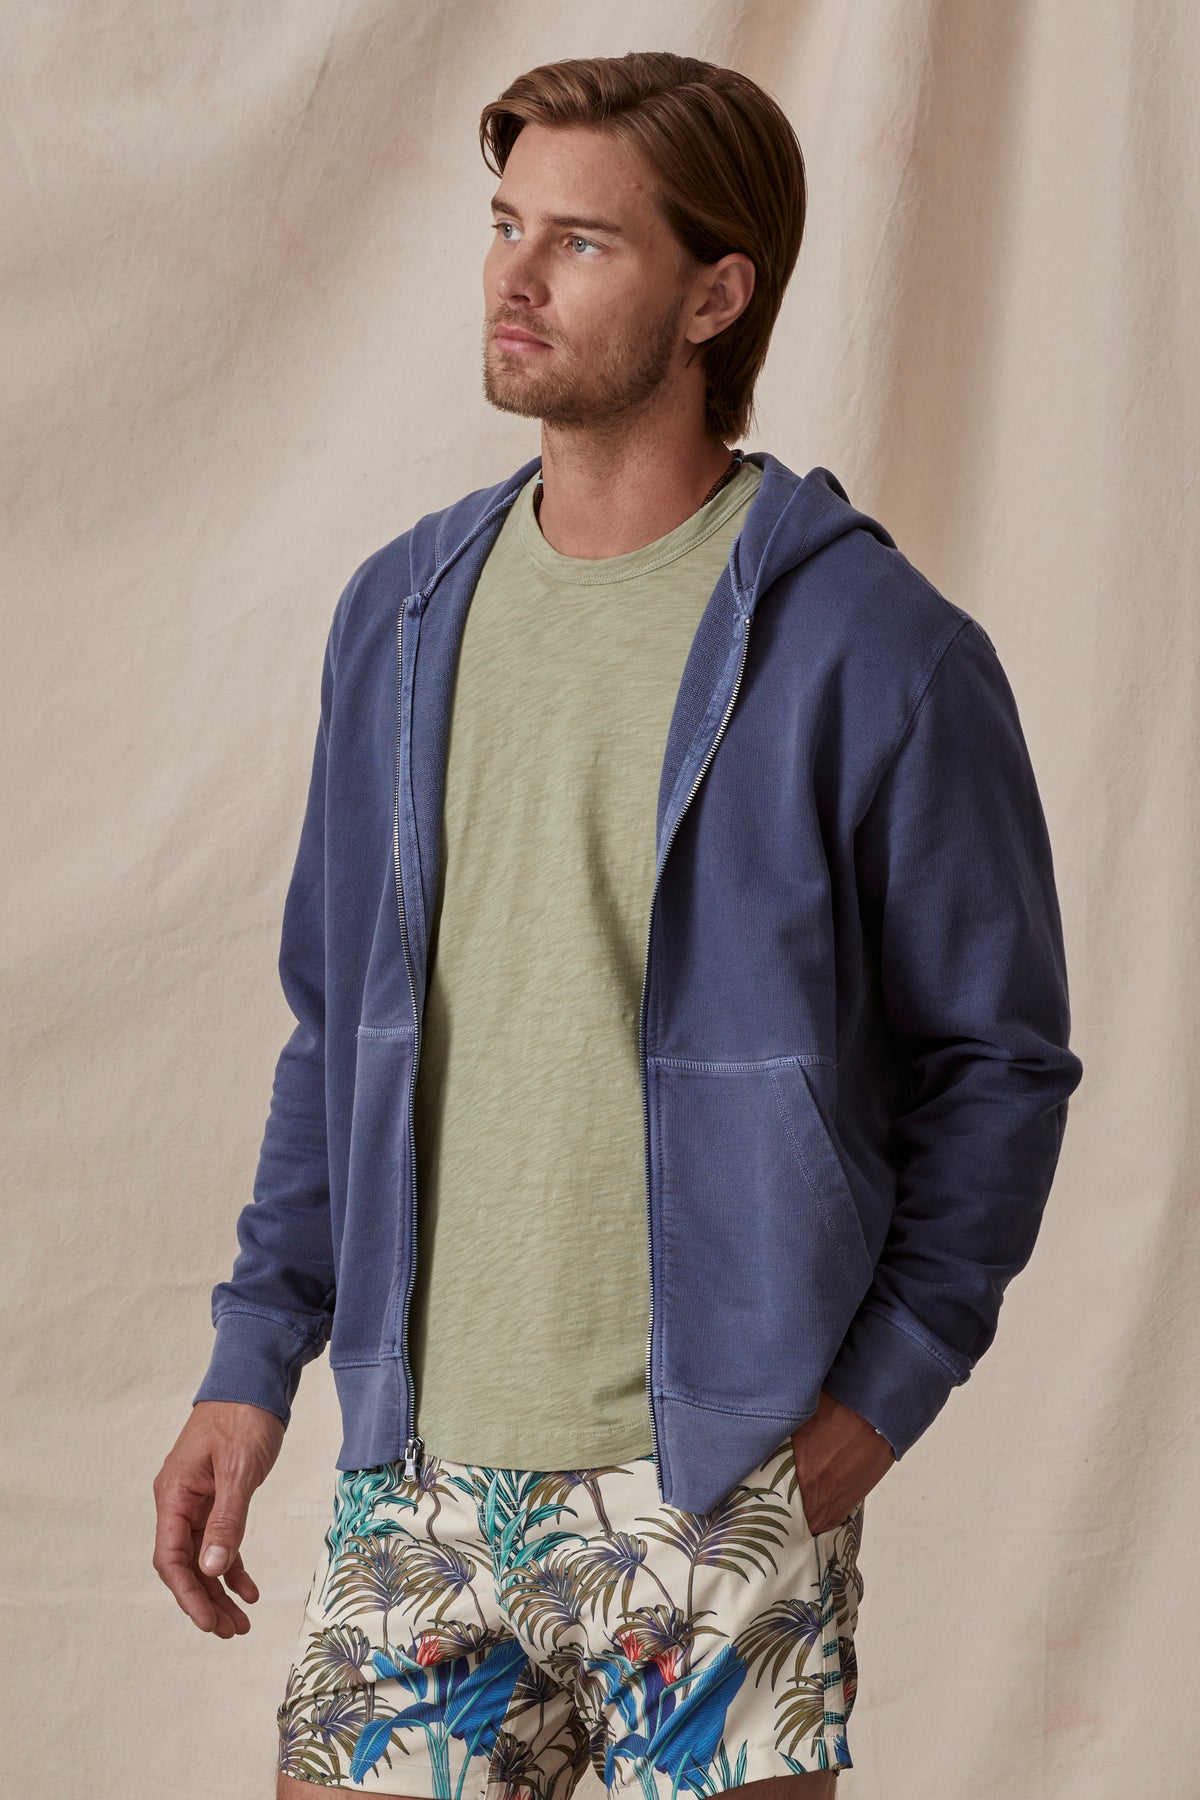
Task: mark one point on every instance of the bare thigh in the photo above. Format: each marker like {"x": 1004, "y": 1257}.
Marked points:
{"x": 819, "y": 1784}
{"x": 290, "y": 1789}
{"x": 815, "y": 1784}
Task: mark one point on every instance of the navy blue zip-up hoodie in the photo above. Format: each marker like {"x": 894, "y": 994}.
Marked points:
{"x": 854, "y": 1024}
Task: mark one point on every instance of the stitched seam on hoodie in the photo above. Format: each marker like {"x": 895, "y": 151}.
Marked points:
{"x": 441, "y": 566}
{"x": 260, "y": 1312}
{"x": 918, "y": 1338}
{"x": 737, "y": 1412}
{"x": 719, "y": 1066}
{"x": 935, "y": 666}
{"x": 829, "y": 1221}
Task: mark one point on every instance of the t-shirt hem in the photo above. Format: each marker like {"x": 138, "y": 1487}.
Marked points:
{"x": 587, "y": 1448}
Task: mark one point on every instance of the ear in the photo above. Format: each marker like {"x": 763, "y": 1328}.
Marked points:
{"x": 730, "y": 284}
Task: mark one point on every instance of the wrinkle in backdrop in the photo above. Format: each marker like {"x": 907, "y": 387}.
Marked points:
{"x": 242, "y": 270}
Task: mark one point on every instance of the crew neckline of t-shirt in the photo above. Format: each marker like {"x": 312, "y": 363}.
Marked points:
{"x": 586, "y": 571}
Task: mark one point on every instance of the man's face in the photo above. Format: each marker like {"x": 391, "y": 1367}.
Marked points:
{"x": 604, "y": 288}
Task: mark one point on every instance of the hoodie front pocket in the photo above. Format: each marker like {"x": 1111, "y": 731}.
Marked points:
{"x": 378, "y": 1191}
{"x": 762, "y": 1252}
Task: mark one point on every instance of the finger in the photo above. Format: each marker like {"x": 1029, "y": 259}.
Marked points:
{"x": 173, "y": 1561}
{"x": 224, "y": 1624}
{"x": 224, "y": 1527}
{"x": 229, "y": 1619}
{"x": 239, "y": 1578}
{"x": 236, "y": 1576}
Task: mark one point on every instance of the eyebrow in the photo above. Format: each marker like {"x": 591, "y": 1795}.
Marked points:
{"x": 564, "y": 220}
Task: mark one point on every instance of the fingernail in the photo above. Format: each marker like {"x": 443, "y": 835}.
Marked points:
{"x": 213, "y": 1559}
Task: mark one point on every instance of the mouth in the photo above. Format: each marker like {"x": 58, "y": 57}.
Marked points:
{"x": 509, "y": 338}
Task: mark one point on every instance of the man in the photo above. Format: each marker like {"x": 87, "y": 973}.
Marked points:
{"x": 674, "y": 915}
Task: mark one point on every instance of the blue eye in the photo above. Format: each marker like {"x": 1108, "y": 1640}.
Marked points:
{"x": 503, "y": 225}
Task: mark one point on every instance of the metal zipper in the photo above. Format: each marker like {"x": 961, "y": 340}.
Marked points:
{"x": 712, "y": 750}
{"x": 414, "y": 1445}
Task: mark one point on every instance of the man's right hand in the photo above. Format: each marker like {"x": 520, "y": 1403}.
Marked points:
{"x": 202, "y": 1493}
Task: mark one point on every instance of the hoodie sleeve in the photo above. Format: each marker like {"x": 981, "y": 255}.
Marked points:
{"x": 957, "y": 892}
{"x": 275, "y": 1312}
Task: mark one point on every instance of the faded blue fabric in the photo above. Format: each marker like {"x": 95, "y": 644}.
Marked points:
{"x": 856, "y": 1026}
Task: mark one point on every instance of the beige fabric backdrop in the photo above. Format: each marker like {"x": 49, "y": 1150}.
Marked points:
{"x": 242, "y": 252}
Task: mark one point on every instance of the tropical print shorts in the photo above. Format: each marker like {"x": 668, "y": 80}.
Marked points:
{"x": 478, "y": 1633}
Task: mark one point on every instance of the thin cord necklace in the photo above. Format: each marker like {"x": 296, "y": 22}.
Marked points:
{"x": 739, "y": 457}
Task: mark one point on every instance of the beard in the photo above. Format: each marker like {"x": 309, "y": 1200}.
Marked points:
{"x": 629, "y": 369}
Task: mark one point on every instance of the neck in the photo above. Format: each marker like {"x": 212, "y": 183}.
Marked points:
{"x": 599, "y": 501}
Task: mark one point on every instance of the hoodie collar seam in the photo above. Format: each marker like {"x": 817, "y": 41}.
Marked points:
{"x": 425, "y": 590}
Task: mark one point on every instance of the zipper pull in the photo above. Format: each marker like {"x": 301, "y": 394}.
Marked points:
{"x": 412, "y": 1457}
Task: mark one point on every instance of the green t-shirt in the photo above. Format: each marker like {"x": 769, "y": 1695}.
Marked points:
{"x": 530, "y": 1309}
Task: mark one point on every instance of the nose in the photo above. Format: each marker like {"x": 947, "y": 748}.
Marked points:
{"x": 517, "y": 278}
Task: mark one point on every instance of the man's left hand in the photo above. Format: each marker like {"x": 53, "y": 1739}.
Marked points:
{"x": 839, "y": 1457}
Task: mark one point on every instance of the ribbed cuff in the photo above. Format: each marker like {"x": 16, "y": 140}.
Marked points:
{"x": 255, "y": 1360}
{"x": 891, "y": 1376}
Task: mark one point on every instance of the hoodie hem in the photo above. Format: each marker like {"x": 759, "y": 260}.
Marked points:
{"x": 891, "y": 1377}
{"x": 256, "y": 1360}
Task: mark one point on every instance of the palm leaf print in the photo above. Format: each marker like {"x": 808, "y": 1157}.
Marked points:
{"x": 510, "y": 1513}
{"x": 535, "y": 1771}
{"x": 518, "y": 1766}
{"x": 849, "y": 1658}
{"x": 310, "y": 1738}
{"x": 610, "y": 1563}
{"x": 659, "y": 1634}
{"x": 568, "y": 1620}
{"x": 743, "y": 1530}
{"x": 789, "y": 1628}
{"x": 535, "y": 1761}
{"x": 845, "y": 1579}
{"x": 369, "y": 1575}
{"x": 433, "y": 1577}
{"x": 544, "y": 1600}
{"x": 336, "y": 1657}
{"x": 802, "y": 1714}
{"x": 303, "y": 1757}
{"x": 433, "y": 1481}
{"x": 555, "y": 1486}
{"x": 357, "y": 1493}
{"x": 299, "y": 1753}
